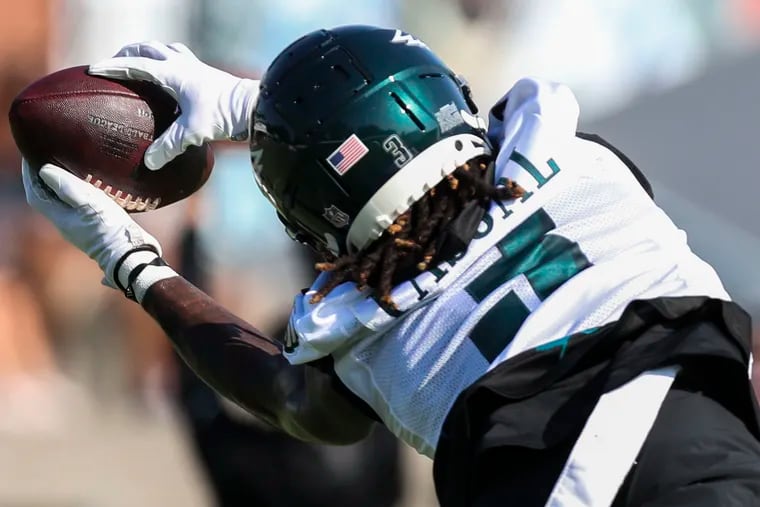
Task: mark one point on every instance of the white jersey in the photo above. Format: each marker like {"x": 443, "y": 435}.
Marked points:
{"x": 584, "y": 241}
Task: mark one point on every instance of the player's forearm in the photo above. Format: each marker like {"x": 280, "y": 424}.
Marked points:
{"x": 229, "y": 354}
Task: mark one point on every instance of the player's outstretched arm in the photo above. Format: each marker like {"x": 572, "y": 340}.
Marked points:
{"x": 226, "y": 352}
{"x": 248, "y": 368}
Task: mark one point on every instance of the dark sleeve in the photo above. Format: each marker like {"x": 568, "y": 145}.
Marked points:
{"x": 594, "y": 138}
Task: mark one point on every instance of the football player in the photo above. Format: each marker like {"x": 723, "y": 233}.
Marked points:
{"x": 507, "y": 299}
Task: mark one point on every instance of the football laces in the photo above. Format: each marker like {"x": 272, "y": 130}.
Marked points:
{"x": 126, "y": 200}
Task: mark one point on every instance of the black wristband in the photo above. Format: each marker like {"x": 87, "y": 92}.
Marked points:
{"x": 117, "y": 266}
{"x": 129, "y": 292}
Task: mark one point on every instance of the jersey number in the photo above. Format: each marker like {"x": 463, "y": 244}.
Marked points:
{"x": 546, "y": 261}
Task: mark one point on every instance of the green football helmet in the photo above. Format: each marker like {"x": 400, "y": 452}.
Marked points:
{"x": 352, "y": 126}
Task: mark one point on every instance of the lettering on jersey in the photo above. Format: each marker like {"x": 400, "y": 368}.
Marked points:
{"x": 336, "y": 217}
{"x": 400, "y": 153}
{"x": 400, "y": 37}
{"x": 505, "y": 212}
{"x": 439, "y": 272}
{"x": 486, "y": 223}
{"x": 484, "y": 227}
{"x": 526, "y": 164}
{"x": 448, "y": 117}
{"x": 420, "y": 293}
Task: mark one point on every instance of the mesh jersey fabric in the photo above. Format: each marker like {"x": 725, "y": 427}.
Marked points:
{"x": 569, "y": 256}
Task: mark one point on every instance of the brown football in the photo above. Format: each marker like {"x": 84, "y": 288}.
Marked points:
{"x": 99, "y": 129}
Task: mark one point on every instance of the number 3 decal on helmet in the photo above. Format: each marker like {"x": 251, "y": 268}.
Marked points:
{"x": 400, "y": 153}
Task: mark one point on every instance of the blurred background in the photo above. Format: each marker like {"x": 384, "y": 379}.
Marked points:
{"x": 95, "y": 410}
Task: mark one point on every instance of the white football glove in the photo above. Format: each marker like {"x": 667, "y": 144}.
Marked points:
{"x": 215, "y": 105}
{"x": 91, "y": 221}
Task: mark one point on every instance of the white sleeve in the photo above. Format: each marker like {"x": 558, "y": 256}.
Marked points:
{"x": 317, "y": 330}
{"x": 533, "y": 117}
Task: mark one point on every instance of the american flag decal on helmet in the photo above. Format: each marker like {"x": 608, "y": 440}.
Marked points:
{"x": 347, "y": 155}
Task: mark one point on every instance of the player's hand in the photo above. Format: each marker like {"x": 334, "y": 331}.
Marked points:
{"x": 88, "y": 219}
{"x": 215, "y": 105}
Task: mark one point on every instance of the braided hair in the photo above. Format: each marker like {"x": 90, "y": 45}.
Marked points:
{"x": 409, "y": 244}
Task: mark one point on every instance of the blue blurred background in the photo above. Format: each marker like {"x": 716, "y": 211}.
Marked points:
{"x": 95, "y": 410}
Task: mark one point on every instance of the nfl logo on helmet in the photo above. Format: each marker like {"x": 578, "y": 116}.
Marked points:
{"x": 336, "y": 217}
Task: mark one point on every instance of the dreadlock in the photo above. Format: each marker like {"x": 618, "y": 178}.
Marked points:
{"x": 411, "y": 239}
